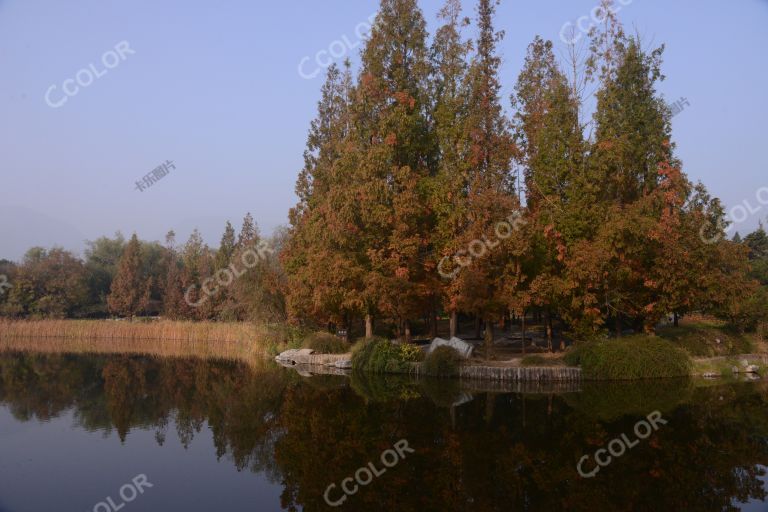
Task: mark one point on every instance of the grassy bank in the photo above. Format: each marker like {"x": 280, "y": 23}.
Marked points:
{"x": 630, "y": 358}
{"x": 708, "y": 337}
{"x": 161, "y": 338}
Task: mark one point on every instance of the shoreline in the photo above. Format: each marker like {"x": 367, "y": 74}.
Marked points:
{"x": 255, "y": 343}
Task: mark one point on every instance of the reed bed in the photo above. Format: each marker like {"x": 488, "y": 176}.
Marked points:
{"x": 241, "y": 341}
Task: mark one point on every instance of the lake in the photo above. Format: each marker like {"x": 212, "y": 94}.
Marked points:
{"x": 141, "y": 433}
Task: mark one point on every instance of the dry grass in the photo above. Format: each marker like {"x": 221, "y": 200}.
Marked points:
{"x": 242, "y": 341}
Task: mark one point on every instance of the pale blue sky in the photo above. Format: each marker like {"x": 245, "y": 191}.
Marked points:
{"x": 215, "y": 87}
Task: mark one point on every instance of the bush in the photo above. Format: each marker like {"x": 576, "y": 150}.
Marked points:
{"x": 379, "y": 355}
{"x": 635, "y": 357}
{"x": 281, "y": 337}
{"x": 382, "y": 387}
{"x": 533, "y": 361}
{"x": 442, "y": 362}
{"x": 326, "y": 343}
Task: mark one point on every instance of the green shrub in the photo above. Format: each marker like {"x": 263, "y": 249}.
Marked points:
{"x": 281, "y": 337}
{"x": 610, "y": 401}
{"x": 379, "y": 355}
{"x": 380, "y": 387}
{"x": 326, "y": 343}
{"x": 635, "y": 357}
{"x": 442, "y": 362}
{"x": 533, "y": 361}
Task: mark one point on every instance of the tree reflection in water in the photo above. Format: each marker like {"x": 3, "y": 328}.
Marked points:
{"x": 492, "y": 451}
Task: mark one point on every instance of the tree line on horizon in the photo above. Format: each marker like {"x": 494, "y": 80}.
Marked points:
{"x": 413, "y": 161}
{"x": 138, "y": 278}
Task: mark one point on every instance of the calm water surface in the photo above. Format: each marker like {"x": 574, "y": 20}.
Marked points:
{"x": 221, "y": 436}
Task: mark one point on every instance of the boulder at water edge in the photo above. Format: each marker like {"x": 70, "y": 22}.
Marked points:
{"x": 460, "y": 346}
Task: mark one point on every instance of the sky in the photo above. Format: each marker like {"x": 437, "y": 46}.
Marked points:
{"x": 226, "y": 91}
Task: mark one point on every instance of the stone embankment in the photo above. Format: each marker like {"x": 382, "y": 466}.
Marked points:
{"x": 307, "y": 362}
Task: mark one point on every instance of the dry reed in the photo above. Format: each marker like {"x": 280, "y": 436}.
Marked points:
{"x": 241, "y": 341}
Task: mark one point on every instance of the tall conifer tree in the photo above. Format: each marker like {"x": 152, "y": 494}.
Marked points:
{"x": 490, "y": 186}
{"x": 129, "y": 294}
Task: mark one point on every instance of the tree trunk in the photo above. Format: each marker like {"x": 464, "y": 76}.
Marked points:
{"x": 407, "y": 326}
{"x": 488, "y": 339}
{"x": 454, "y": 324}
{"x": 549, "y": 331}
{"x": 477, "y": 326}
{"x": 617, "y": 325}
{"x": 522, "y": 320}
{"x": 368, "y": 326}
{"x": 676, "y": 320}
{"x": 432, "y": 320}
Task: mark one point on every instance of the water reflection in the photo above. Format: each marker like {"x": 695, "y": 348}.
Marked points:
{"x": 476, "y": 449}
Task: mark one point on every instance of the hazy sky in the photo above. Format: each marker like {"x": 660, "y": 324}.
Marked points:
{"x": 216, "y": 88}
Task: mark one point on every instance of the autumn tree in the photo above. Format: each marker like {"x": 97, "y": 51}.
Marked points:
{"x": 222, "y": 301}
{"x": 490, "y": 197}
{"x": 130, "y": 290}
{"x": 174, "y": 306}
{"x": 632, "y": 141}
{"x": 552, "y": 157}
{"x": 324, "y": 253}
{"x": 396, "y": 155}
{"x": 449, "y": 55}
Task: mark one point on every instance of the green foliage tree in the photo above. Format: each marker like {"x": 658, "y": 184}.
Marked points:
{"x": 101, "y": 260}
{"x": 49, "y": 284}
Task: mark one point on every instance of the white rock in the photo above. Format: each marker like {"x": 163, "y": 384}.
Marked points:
{"x": 462, "y": 347}
{"x": 749, "y": 368}
{"x": 292, "y": 354}
{"x": 344, "y": 364}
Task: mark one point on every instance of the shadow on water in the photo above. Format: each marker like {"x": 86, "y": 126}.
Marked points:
{"x": 475, "y": 449}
